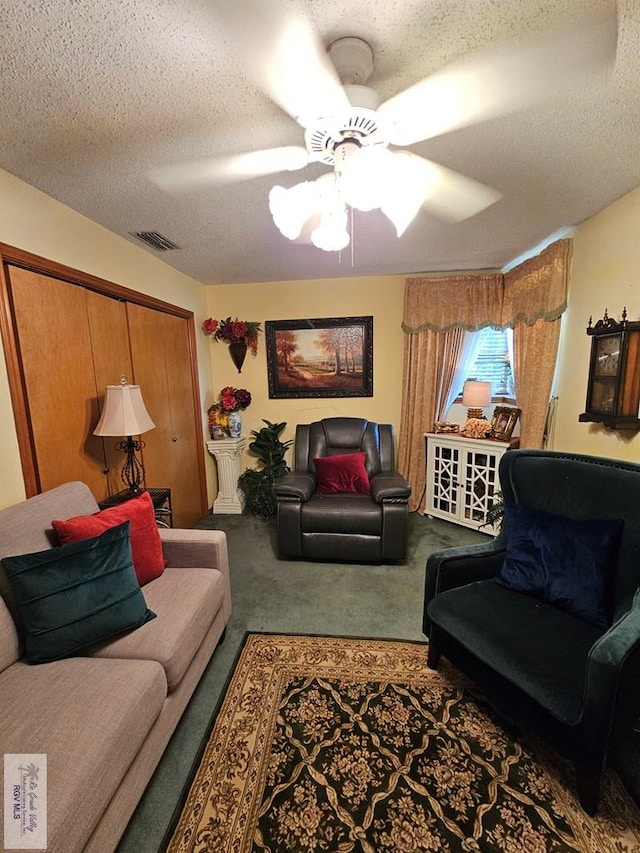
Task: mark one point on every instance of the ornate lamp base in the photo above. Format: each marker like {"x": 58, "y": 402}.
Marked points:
{"x": 474, "y": 412}
{"x": 132, "y": 473}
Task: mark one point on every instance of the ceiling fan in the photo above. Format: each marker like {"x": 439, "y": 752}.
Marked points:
{"x": 346, "y": 127}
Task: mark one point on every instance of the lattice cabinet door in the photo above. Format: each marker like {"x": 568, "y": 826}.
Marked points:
{"x": 480, "y": 481}
{"x": 461, "y": 478}
{"x": 443, "y": 479}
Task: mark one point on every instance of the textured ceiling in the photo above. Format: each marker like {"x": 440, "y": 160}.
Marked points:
{"x": 95, "y": 95}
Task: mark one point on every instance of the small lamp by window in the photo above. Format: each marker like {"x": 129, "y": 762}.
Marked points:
{"x": 476, "y": 395}
{"x": 124, "y": 413}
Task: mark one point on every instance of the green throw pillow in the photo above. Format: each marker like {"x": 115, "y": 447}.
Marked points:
{"x": 77, "y": 595}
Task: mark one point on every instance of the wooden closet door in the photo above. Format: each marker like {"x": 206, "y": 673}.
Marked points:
{"x": 56, "y": 355}
{"x": 109, "y": 334}
{"x": 162, "y": 365}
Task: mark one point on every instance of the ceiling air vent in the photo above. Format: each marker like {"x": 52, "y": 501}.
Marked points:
{"x": 155, "y": 240}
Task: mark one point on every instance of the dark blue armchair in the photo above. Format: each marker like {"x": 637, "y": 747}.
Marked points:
{"x": 573, "y": 679}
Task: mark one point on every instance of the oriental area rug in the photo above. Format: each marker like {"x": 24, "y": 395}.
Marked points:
{"x": 335, "y": 744}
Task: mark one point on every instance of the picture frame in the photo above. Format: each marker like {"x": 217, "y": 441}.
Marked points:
{"x": 503, "y": 422}
{"x": 322, "y": 357}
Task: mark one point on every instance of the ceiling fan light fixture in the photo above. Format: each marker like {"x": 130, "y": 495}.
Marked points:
{"x": 290, "y": 208}
{"x": 365, "y": 176}
{"x": 331, "y": 235}
{"x": 347, "y": 129}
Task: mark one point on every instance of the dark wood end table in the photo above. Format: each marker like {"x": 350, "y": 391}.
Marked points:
{"x": 161, "y": 499}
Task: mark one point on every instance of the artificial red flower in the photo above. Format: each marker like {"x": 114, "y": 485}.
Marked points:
{"x": 234, "y": 399}
{"x": 230, "y": 331}
{"x": 210, "y": 326}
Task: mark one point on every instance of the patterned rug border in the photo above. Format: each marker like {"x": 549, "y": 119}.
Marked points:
{"x": 206, "y": 737}
{"x": 202, "y": 746}
{"x": 616, "y": 827}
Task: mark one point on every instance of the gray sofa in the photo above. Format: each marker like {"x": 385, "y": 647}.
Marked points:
{"x": 104, "y": 719}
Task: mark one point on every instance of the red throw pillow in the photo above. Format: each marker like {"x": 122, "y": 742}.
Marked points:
{"x": 342, "y": 473}
{"x": 146, "y": 545}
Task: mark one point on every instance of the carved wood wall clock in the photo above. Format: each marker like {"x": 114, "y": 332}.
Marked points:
{"x": 613, "y": 390}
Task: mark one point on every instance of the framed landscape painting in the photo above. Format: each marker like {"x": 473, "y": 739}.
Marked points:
{"x": 331, "y": 357}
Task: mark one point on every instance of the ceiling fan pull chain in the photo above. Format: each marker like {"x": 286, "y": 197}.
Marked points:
{"x": 353, "y": 238}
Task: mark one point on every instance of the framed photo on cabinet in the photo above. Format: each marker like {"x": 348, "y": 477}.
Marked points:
{"x": 503, "y": 422}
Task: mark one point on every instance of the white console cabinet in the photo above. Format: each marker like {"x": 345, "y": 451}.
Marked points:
{"x": 461, "y": 477}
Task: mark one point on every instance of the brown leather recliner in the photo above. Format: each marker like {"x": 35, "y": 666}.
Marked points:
{"x": 343, "y": 526}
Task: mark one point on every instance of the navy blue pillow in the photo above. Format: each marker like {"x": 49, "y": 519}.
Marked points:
{"x": 77, "y": 595}
{"x": 563, "y": 561}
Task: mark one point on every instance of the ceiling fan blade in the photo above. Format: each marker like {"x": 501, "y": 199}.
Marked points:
{"x": 454, "y": 197}
{"x": 415, "y": 182}
{"x": 282, "y": 54}
{"x": 219, "y": 171}
{"x": 500, "y": 81}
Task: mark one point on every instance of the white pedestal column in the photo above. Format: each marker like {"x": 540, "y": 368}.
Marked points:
{"x": 227, "y": 452}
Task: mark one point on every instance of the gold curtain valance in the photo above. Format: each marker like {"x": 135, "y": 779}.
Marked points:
{"x": 537, "y": 288}
{"x": 534, "y": 290}
{"x": 448, "y": 302}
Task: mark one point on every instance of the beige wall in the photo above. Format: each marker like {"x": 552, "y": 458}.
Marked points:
{"x": 33, "y": 221}
{"x": 605, "y": 274}
{"x": 380, "y": 297}
{"x": 606, "y": 266}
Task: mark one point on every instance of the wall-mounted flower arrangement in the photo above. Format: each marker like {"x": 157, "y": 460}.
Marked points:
{"x": 239, "y": 334}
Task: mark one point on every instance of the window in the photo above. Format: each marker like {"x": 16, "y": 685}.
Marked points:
{"x": 493, "y": 362}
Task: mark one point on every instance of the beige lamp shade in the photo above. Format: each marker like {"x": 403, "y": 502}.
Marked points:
{"x": 476, "y": 394}
{"x": 123, "y": 412}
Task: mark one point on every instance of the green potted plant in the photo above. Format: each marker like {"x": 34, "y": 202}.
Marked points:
{"x": 495, "y": 512}
{"x": 257, "y": 484}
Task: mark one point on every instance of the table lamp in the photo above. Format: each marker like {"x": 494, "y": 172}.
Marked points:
{"x": 476, "y": 395}
{"x": 124, "y": 413}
